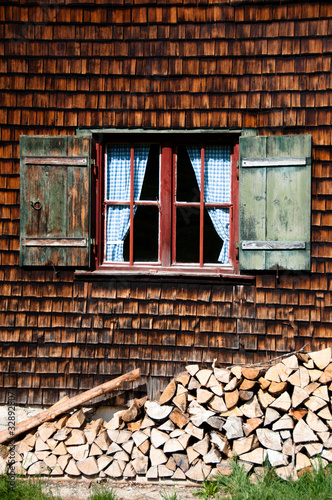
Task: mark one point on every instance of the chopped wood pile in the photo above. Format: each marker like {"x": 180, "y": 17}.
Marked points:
{"x": 203, "y": 418}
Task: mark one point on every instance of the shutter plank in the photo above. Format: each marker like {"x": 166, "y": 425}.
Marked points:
{"x": 55, "y": 242}
{"x": 56, "y": 172}
{"x": 288, "y": 192}
{"x": 273, "y": 162}
{"x": 57, "y": 200}
{"x": 273, "y": 245}
{"x": 49, "y": 160}
{"x": 252, "y": 225}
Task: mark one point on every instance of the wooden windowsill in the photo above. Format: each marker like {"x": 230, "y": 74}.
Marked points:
{"x": 169, "y": 274}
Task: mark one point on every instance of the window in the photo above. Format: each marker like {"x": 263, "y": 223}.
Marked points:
{"x": 166, "y": 202}
{"x": 169, "y": 205}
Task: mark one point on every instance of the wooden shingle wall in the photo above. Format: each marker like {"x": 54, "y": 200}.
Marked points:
{"x": 177, "y": 64}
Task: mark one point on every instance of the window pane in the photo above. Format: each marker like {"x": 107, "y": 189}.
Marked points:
{"x": 117, "y": 225}
{"x": 217, "y": 174}
{"x": 146, "y": 231}
{"x": 118, "y": 172}
{"x": 118, "y": 188}
{"x": 187, "y": 234}
{"x": 215, "y": 231}
{"x": 187, "y": 187}
{"x": 150, "y": 189}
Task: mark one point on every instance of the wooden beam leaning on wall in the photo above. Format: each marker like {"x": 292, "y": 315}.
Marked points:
{"x": 67, "y": 405}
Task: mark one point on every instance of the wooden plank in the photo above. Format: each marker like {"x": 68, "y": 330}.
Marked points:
{"x": 55, "y": 242}
{"x": 273, "y": 245}
{"x": 67, "y": 405}
{"x": 62, "y": 161}
{"x": 288, "y": 205}
{"x": 252, "y": 207}
{"x": 273, "y": 162}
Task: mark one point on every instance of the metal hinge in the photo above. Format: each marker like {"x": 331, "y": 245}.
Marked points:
{"x": 93, "y": 162}
{"x": 92, "y": 241}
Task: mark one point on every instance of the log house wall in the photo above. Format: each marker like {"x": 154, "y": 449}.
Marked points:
{"x": 180, "y": 64}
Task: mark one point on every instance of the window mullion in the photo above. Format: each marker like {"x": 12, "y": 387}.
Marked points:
{"x": 104, "y": 213}
{"x": 166, "y": 204}
{"x": 174, "y": 179}
{"x": 131, "y": 224}
{"x": 234, "y": 232}
{"x": 100, "y": 215}
{"x": 201, "y": 212}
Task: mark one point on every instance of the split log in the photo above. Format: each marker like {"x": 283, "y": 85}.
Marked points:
{"x": 299, "y": 395}
{"x": 271, "y": 416}
{"x": 282, "y": 403}
{"x": 303, "y": 434}
{"x": 251, "y": 373}
{"x": 213, "y": 457}
{"x": 198, "y": 472}
{"x": 251, "y": 425}
{"x": 46, "y": 430}
{"x": 284, "y": 423}
{"x": 76, "y": 420}
{"x": 164, "y": 471}
{"x": 322, "y": 392}
{"x": 168, "y": 393}
{"x": 327, "y": 375}
{"x": 203, "y": 376}
{"x": 244, "y": 445}
{"x": 132, "y": 413}
{"x": 276, "y": 388}
{"x": 71, "y": 469}
{"x": 179, "y": 475}
{"x": 67, "y": 405}
{"x": 233, "y": 427}
{"x": 288, "y": 473}
{"x": 291, "y": 362}
{"x": 203, "y": 396}
{"x": 321, "y": 358}
{"x": 256, "y": 456}
{"x": 88, "y": 466}
{"x": 269, "y": 439}
{"x": 276, "y": 458}
{"x": 157, "y": 412}
{"x": 315, "y": 423}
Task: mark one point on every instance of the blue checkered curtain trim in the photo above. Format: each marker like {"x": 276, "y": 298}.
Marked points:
{"x": 118, "y": 189}
{"x": 217, "y": 187}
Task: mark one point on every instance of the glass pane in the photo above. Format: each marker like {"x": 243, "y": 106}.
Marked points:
{"x": 217, "y": 174}
{"x": 146, "y": 231}
{"x": 117, "y": 224}
{"x": 187, "y": 234}
{"x": 187, "y": 187}
{"x": 118, "y": 172}
{"x": 212, "y": 242}
{"x": 216, "y": 236}
{"x": 150, "y": 189}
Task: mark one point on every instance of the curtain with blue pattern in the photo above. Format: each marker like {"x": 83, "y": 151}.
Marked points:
{"x": 217, "y": 188}
{"x": 118, "y": 189}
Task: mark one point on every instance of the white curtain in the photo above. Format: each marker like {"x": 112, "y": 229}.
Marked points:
{"x": 118, "y": 189}
{"x": 217, "y": 188}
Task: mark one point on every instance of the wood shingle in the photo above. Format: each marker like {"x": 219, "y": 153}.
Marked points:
{"x": 176, "y": 65}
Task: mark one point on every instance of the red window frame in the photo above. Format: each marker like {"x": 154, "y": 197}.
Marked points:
{"x": 167, "y": 207}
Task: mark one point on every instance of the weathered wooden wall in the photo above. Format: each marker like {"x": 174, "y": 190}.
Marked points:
{"x": 180, "y": 64}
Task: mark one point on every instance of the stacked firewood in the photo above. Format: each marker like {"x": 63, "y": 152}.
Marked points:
{"x": 203, "y": 418}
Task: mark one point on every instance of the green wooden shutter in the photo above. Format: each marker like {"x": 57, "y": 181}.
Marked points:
{"x": 275, "y": 202}
{"x": 55, "y": 201}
